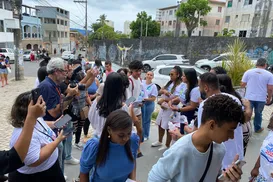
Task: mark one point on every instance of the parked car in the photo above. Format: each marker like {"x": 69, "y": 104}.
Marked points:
{"x": 164, "y": 59}
{"x": 161, "y": 73}
{"x": 207, "y": 64}
{"x": 26, "y": 55}
{"x": 66, "y": 55}
{"x": 9, "y": 53}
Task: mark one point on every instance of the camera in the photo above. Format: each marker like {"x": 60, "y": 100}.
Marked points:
{"x": 73, "y": 80}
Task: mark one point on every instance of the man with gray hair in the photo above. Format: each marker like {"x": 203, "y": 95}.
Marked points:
{"x": 57, "y": 70}
{"x": 259, "y": 88}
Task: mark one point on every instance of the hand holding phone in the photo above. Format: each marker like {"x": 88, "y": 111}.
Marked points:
{"x": 66, "y": 132}
{"x": 35, "y": 94}
{"x": 238, "y": 163}
{"x": 62, "y": 121}
{"x": 130, "y": 101}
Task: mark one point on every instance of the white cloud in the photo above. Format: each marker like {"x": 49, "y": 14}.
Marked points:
{"x": 116, "y": 10}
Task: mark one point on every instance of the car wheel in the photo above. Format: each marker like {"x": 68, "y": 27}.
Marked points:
{"x": 206, "y": 68}
{"x": 146, "y": 68}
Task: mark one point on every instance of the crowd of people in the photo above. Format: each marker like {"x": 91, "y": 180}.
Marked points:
{"x": 207, "y": 123}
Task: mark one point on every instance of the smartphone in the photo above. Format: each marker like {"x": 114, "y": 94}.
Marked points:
{"x": 239, "y": 163}
{"x": 63, "y": 121}
{"x": 130, "y": 101}
{"x": 136, "y": 104}
{"x": 35, "y": 94}
{"x": 68, "y": 131}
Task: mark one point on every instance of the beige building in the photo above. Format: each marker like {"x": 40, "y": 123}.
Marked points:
{"x": 249, "y": 18}
{"x": 167, "y": 19}
{"x": 110, "y": 23}
{"x": 127, "y": 29}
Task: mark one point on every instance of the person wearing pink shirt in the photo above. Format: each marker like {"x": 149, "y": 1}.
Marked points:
{"x": 108, "y": 67}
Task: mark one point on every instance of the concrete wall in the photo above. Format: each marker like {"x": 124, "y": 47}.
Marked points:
{"x": 194, "y": 48}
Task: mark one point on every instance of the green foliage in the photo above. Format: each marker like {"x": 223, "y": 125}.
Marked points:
{"x": 226, "y": 33}
{"x": 238, "y": 62}
{"x": 106, "y": 32}
{"x": 190, "y": 12}
{"x": 153, "y": 26}
{"x": 100, "y": 22}
{"x": 154, "y": 115}
{"x": 168, "y": 34}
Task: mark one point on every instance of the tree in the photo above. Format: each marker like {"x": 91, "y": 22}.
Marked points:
{"x": 153, "y": 26}
{"x": 106, "y": 32}
{"x": 226, "y": 33}
{"x": 100, "y": 22}
{"x": 190, "y": 12}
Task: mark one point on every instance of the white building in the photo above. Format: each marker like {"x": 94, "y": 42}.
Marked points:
{"x": 127, "y": 29}
{"x": 6, "y": 18}
{"x": 167, "y": 19}
{"x": 249, "y": 18}
{"x": 110, "y": 23}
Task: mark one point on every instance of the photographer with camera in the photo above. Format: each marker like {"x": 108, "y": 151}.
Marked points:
{"x": 57, "y": 70}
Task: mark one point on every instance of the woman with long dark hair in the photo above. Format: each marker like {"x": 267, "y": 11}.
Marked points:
{"x": 112, "y": 157}
{"x": 227, "y": 87}
{"x": 189, "y": 96}
{"x": 170, "y": 91}
{"x": 99, "y": 67}
{"x": 112, "y": 98}
{"x": 41, "y": 162}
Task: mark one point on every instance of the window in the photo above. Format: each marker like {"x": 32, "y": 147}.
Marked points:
{"x": 217, "y": 22}
{"x": 163, "y": 13}
{"x": 62, "y": 34}
{"x": 62, "y": 22}
{"x": 65, "y": 23}
{"x": 162, "y": 23}
{"x": 245, "y": 18}
{"x": 58, "y": 34}
{"x": 7, "y": 5}
{"x": 229, "y": 5}
{"x": 62, "y": 11}
{"x": 221, "y": 58}
{"x": 2, "y": 26}
{"x": 65, "y": 34}
{"x": 227, "y": 19}
{"x": 242, "y": 33}
{"x": 1, "y": 4}
{"x": 65, "y": 12}
{"x": 215, "y": 34}
{"x": 171, "y": 12}
{"x": 183, "y": 32}
{"x": 165, "y": 71}
{"x": 170, "y": 23}
{"x": 219, "y": 9}
{"x": 49, "y": 20}
{"x": 54, "y": 34}
{"x": 200, "y": 33}
{"x": 236, "y": 16}
{"x": 248, "y": 2}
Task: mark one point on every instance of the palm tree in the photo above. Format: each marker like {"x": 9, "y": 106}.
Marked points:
{"x": 102, "y": 19}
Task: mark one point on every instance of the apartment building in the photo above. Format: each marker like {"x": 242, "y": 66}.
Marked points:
{"x": 7, "y": 22}
{"x": 167, "y": 19}
{"x": 31, "y": 29}
{"x": 55, "y": 28}
{"x": 249, "y": 18}
{"x": 127, "y": 29}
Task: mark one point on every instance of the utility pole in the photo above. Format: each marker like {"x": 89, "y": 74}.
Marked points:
{"x": 141, "y": 26}
{"x": 86, "y": 30}
{"x": 147, "y": 28}
{"x": 177, "y": 25}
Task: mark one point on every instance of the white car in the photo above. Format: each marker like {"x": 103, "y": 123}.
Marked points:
{"x": 9, "y": 53}
{"x": 161, "y": 73}
{"x": 26, "y": 55}
{"x": 207, "y": 64}
{"x": 66, "y": 55}
{"x": 164, "y": 59}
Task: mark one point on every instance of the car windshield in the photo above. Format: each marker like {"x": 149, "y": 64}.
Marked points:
{"x": 200, "y": 71}
{"x": 214, "y": 57}
{"x": 27, "y": 52}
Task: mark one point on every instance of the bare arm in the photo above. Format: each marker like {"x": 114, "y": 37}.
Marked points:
{"x": 243, "y": 84}
{"x": 132, "y": 176}
{"x": 84, "y": 177}
{"x": 152, "y": 99}
{"x": 192, "y": 106}
{"x": 269, "y": 92}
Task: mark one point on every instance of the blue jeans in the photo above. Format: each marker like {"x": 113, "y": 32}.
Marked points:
{"x": 61, "y": 156}
{"x": 258, "y": 107}
{"x": 146, "y": 111}
{"x": 68, "y": 143}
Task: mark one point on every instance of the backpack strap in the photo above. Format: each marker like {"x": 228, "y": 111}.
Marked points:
{"x": 208, "y": 163}
{"x": 133, "y": 87}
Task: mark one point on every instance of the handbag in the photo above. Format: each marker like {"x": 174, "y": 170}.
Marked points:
{"x": 9, "y": 70}
{"x": 208, "y": 163}
{"x": 84, "y": 112}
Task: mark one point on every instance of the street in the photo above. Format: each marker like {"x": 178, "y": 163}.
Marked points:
{"x": 151, "y": 155}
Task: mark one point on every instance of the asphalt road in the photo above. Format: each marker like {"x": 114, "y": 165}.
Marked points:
{"x": 151, "y": 155}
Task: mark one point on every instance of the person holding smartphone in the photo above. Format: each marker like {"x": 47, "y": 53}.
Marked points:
{"x": 41, "y": 161}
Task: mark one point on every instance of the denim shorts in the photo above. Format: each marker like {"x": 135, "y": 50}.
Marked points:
{"x": 3, "y": 71}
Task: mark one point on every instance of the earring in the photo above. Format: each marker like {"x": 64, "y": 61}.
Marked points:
{"x": 109, "y": 136}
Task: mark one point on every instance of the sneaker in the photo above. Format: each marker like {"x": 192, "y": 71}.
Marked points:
{"x": 163, "y": 148}
{"x": 72, "y": 161}
{"x": 260, "y": 130}
{"x": 139, "y": 155}
{"x": 65, "y": 177}
{"x": 156, "y": 144}
{"x": 78, "y": 146}
{"x": 145, "y": 139}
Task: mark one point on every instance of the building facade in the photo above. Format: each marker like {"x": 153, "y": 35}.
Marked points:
{"x": 31, "y": 29}
{"x": 127, "y": 29}
{"x": 249, "y": 18}
{"x": 56, "y": 27}
{"x": 167, "y": 19}
{"x": 6, "y": 33}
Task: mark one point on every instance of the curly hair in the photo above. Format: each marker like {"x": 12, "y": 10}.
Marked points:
{"x": 219, "y": 70}
{"x": 135, "y": 65}
{"x": 222, "y": 109}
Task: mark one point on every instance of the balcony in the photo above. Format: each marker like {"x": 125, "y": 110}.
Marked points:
{"x": 53, "y": 39}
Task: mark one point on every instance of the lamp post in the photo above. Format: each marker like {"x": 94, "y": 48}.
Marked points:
{"x": 177, "y": 25}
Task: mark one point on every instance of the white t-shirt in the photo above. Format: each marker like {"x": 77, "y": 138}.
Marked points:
{"x": 36, "y": 83}
{"x": 135, "y": 92}
{"x": 233, "y": 146}
{"x": 42, "y": 135}
{"x": 97, "y": 122}
{"x": 266, "y": 157}
{"x": 151, "y": 89}
{"x": 256, "y": 81}
{"x": 184, "y": 163}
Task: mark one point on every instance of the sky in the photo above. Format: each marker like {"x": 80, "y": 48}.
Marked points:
{"x": 117, "y": 11}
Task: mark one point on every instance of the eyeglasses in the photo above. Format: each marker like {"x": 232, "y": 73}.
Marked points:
{"x": 171, "y": 74}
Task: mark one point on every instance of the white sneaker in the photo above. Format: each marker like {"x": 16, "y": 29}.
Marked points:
{"x": 145, "y": 139}
{"x": 78, "y": 146}
{"x": 163, "y": 148}
{"x": 72, "y": 161}
{"x": 156, "y": 144}
{"x": 65, "y": 177}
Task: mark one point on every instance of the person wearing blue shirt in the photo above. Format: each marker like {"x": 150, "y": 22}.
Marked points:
{"x": 117, "y": 145}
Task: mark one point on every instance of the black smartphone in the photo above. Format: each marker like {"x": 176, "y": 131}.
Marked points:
{"x": 68, "y": 131}
{"x": 63, "y": 121}
{"x": 35, "y": 94}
